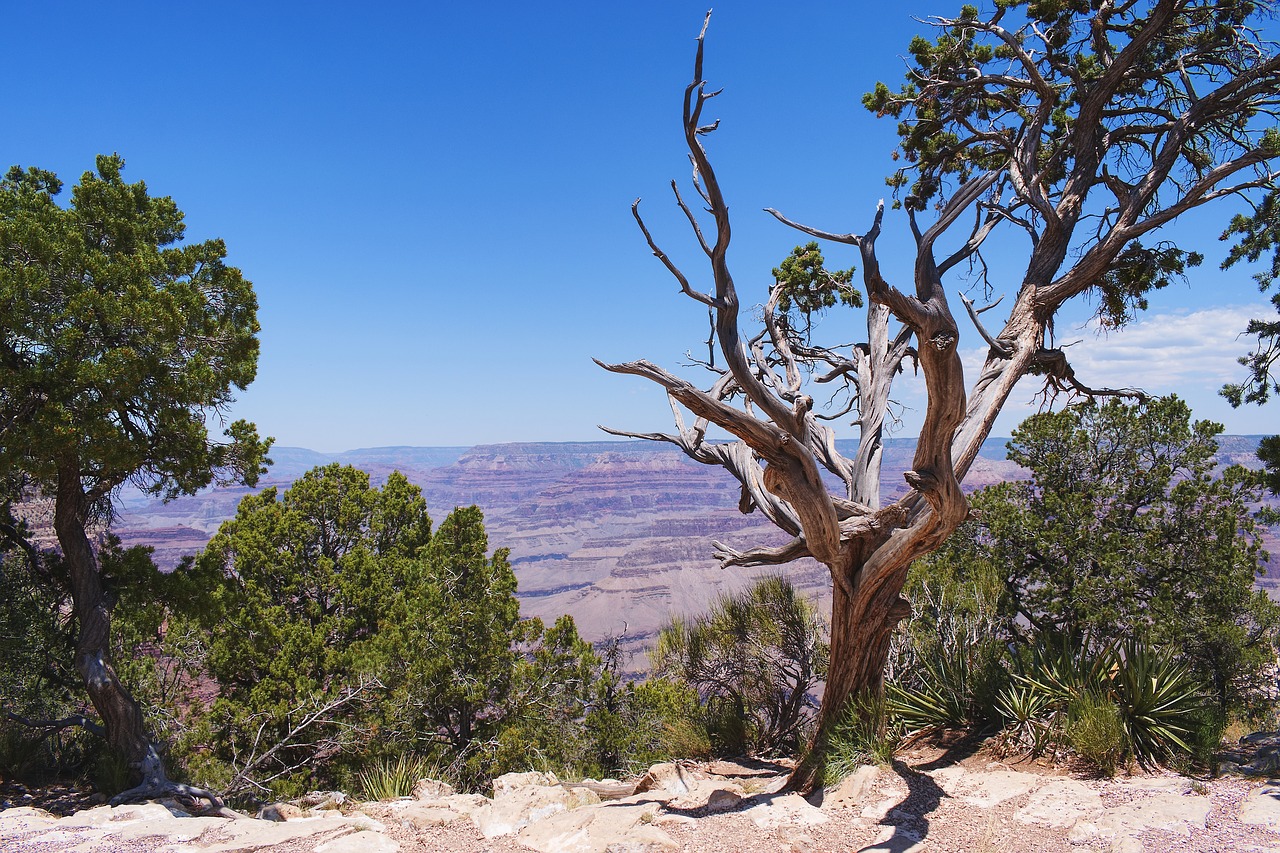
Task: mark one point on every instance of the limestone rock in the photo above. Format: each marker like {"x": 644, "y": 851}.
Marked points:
{"x": 364, "y": 841}
{"x": 322, "y": 800}
{"x": 279, "y": 812}
{"x": 425, "y": 816}
{"x": 783, "y": 810}
{"x": 25, "y": 819}
{"x": 508, "y": 782}
{"x": 432, "y": 789}
{"x": 724, "y": 800}
{"x": 116, "y": 817}
{"x": 1262, "y": 807}
{"x": 1061, "y": 803}
{"x": 853, "y": 789}
{"x": 622, "y": 826}
{"x": 985, "y": 788}
{"x": 520, "y": 802}
{"x": 1159, "y": 809}
{"x": 669, "y": 778}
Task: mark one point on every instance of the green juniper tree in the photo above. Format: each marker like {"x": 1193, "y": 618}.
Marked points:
{"x": 118, "y": 348}
{"x": 1124, "y": 532}
{"x": 469, "y": 620}
{"x": 302, "y": 586}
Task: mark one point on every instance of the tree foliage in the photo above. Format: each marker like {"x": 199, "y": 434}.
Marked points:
{"x": 301, "y": 585}
{"x": 1126, "y": 532}
{"x": 118, "y": 342}
{"x": 1257, "y": 234}
{"x": 346, "y": 633}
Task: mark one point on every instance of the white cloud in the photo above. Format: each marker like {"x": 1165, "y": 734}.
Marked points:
{"x": 1171, "y": 352}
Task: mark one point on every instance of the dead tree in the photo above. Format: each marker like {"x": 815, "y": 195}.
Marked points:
{"x": 1086, "y": 131}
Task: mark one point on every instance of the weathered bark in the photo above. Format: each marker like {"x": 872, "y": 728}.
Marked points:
{"x": 121, "y": 715}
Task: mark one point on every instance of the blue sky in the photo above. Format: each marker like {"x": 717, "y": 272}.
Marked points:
{"x": 432, "y": 200}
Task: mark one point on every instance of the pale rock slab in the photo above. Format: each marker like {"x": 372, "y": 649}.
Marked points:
{"x": 432, "y": 789}
{"x": 879, "y": 811}
{"x": 895, "y": 839}
{"x": 508, "y": 782}
{"x": 279, "y": 812}
{"x": 669, "y": 778}
{"x": 853, "y": 789}
{"x": 724, "y": 799}
{"x": 363, "y": 841}
{"x": 116, "y": 817}
{"x": 1262, "y": 807}
{"x": 25, "y": 819}
{"x": 621, "y": 826}
{"x": 105, "y": 829}
{"x": 425, "y": 816}
{"x": 1061, "y": 803}
{"x": 514, "y": 808}
{"x": 1158, "y": 810}
{"x": 775, "y": 810}
{"x": 244, "y": 834}
{"x": 985, "y": 788}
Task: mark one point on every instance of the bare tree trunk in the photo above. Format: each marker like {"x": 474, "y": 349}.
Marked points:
{"x": 861, "y": 628}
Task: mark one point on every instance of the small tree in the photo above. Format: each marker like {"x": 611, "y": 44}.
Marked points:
{"x": 1084, "y": 127}
{"x": 117, "y": 346}
{"x": 470, "y": 620}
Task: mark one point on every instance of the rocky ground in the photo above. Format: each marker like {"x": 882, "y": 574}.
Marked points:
{"x": 930, "y": 800}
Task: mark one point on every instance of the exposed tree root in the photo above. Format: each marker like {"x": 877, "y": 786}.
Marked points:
{"x": 196, "y": 800}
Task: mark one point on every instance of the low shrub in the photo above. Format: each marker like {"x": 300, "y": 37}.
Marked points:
{"x": 1095, "y": 731}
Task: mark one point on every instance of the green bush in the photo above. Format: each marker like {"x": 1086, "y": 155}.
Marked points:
{"x": 1095, "y": 731}
{"x": 754, "y": 661}
{"x": 1059, "y": 696}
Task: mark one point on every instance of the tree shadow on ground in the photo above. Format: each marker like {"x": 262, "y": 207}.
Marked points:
{"x": 909, "y": 818}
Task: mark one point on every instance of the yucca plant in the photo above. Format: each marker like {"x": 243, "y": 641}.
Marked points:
{"x": 389, "y": 779}
{"x": 1062, "y": 670}
{"x": 944, "y": 689}
{"x": 1057, "y": 687}
{"x": 1028, "y": 713}
{"x": 1157, "y": 697}
{"x": 941, "y": 699}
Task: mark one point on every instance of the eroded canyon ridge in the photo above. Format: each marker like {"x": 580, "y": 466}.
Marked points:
{"x": 618, "y": 534}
